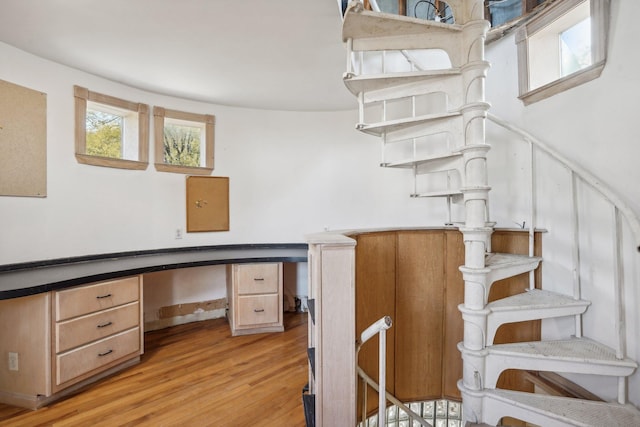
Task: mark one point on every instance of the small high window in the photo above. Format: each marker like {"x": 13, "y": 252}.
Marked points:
{"x": 110, "y": 131}
{"x": 562, "y": 47}
{"x": 183, "y": 141}
{"x": 575, "y": 48}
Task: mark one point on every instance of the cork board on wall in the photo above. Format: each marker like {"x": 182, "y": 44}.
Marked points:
{"x": 23, "y": 141}
{"x": 207, "y": 203}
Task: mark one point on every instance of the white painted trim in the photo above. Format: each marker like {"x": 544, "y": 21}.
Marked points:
{"x": 599, "y": 12}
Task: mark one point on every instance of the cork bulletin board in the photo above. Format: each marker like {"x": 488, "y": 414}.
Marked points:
{"x": 207, "y": 203}
{"x": 23, "y": 141}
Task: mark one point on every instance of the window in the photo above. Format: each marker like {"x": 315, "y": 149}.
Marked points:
{"x": 110, "y": 131}
{"x": 562, "y": 47}
{"x": 183, "y": 141}
{"x": 504, "y": 13}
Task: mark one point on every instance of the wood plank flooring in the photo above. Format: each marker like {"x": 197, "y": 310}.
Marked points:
{"x": 193, "y": 375}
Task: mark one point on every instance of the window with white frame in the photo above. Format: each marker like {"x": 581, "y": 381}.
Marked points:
{"x": 184, "y": 141}
{"x": 110, "y": 131}
{"x": 562, "y": 47}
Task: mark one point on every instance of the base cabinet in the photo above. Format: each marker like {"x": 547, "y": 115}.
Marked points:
{"x": 63, "y": 340}
{"x": 255, "y": 298}
{"x": 95, "y": 327}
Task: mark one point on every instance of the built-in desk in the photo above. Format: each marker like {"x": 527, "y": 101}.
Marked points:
{"x": 68, "y": 322}
{"x": 18, "y": 280}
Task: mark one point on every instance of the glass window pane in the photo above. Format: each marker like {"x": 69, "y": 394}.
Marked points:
{"x": 431, "y": 10}
{"x": 575, "y": 48}
{"x": 104, "y": 134}
{"x": 388, "y": 6}
{"x": 182, "y": 144}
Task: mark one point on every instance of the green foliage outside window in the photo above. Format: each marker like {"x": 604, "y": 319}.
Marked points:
{"x": 104, "y": 134}
{"x": 181, "y": 145}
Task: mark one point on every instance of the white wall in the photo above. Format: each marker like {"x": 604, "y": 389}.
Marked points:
{"x": 290, "y": 174}
{"x": 594, "y": 125}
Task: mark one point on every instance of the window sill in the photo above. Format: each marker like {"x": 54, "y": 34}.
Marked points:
{"x": 576, "y": 79}
{"x": 109, "y": 162}
{"x": 190, "y": 170}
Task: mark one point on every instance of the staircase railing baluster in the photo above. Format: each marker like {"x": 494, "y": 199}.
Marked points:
{"x": 383, "y": 61}
{"x": 350, "y": 58}
{"x": 618, "y": 283}
{"x": 532, "y": 210}
{"x": 575, "y": 251}
{"x": 608, "y": 194}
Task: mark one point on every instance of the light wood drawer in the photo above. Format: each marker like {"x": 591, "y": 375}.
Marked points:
{"x": 259, "y": 278}
{"x": 92, "y": 356}
{"x": 258, "y": 310}
{"x": 91, "y": 327}
{"x": 88, "y": 299}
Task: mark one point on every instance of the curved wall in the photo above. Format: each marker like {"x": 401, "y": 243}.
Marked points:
{"x": 291, "y": 173}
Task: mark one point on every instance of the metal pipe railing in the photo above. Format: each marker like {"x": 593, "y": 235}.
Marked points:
{"x": 587, "y": 177}
{"x": 391, "y": 398}
{"x": 620, "y": 210}
{"x": 380, "y": 328}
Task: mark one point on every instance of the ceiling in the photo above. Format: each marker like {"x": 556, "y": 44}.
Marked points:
{"x": 275, "y": 54}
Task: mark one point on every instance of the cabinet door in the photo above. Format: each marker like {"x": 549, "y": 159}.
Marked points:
{"x": 24, "y": 330}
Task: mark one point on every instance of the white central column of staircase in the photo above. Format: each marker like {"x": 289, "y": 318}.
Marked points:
{"x": 442, "y": 139}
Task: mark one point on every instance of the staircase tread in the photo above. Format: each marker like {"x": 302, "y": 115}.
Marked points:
{"x": 581, "y": 350}
{"x": 371, "y": 82}
{"x": 417, "y": 161}
{"x": 571, "y": 410}
{"x": 497, "y": 260}
{"x": 380, "y": 127}
{"x": 442, "y": 193}
{"x": 360, "y": 23}
{"x": 535, "y": 299}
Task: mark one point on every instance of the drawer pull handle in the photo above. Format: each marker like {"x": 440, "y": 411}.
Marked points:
{"x": 103, "y": 296}
{"x": 259, "y": 279}
{"x": 105, "y": 353}
{"x": 104, "y": 325}
{"x": 258, "y": 310}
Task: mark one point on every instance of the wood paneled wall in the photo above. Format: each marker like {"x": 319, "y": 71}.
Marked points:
{"x": 414, "y": 277}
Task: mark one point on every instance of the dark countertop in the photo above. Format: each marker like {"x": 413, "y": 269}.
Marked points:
{"x": 18, "y": 280}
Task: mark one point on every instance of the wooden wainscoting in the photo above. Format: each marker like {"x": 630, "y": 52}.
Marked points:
{"x": 413, "y": 276}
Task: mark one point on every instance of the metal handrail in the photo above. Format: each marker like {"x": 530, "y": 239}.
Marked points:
{"x": 620, "y": 209}
{"x": 412, "y": 415}
{"x": 380, "y": 328}
{"x": 605, "y": 191}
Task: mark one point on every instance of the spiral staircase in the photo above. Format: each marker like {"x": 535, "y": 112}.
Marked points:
{"x": 430, "y": 114}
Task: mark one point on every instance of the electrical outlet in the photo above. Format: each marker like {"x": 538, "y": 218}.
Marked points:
{"x": 178, "y": 233}
{"x": 13, "y": 361}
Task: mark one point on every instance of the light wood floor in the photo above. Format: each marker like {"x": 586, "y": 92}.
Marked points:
{"x": 193, "y": 375}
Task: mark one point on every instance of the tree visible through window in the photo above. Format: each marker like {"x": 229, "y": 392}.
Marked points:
{"x": 110, "y": 131}
{"x": 182, "y": 145}
{"x": 104, "y": 134}
{"x": 183, "y": 141}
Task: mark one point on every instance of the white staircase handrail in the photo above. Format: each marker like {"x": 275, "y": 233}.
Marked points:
{"x": 604, "y": 190}
{"x": 380, "y": 328}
